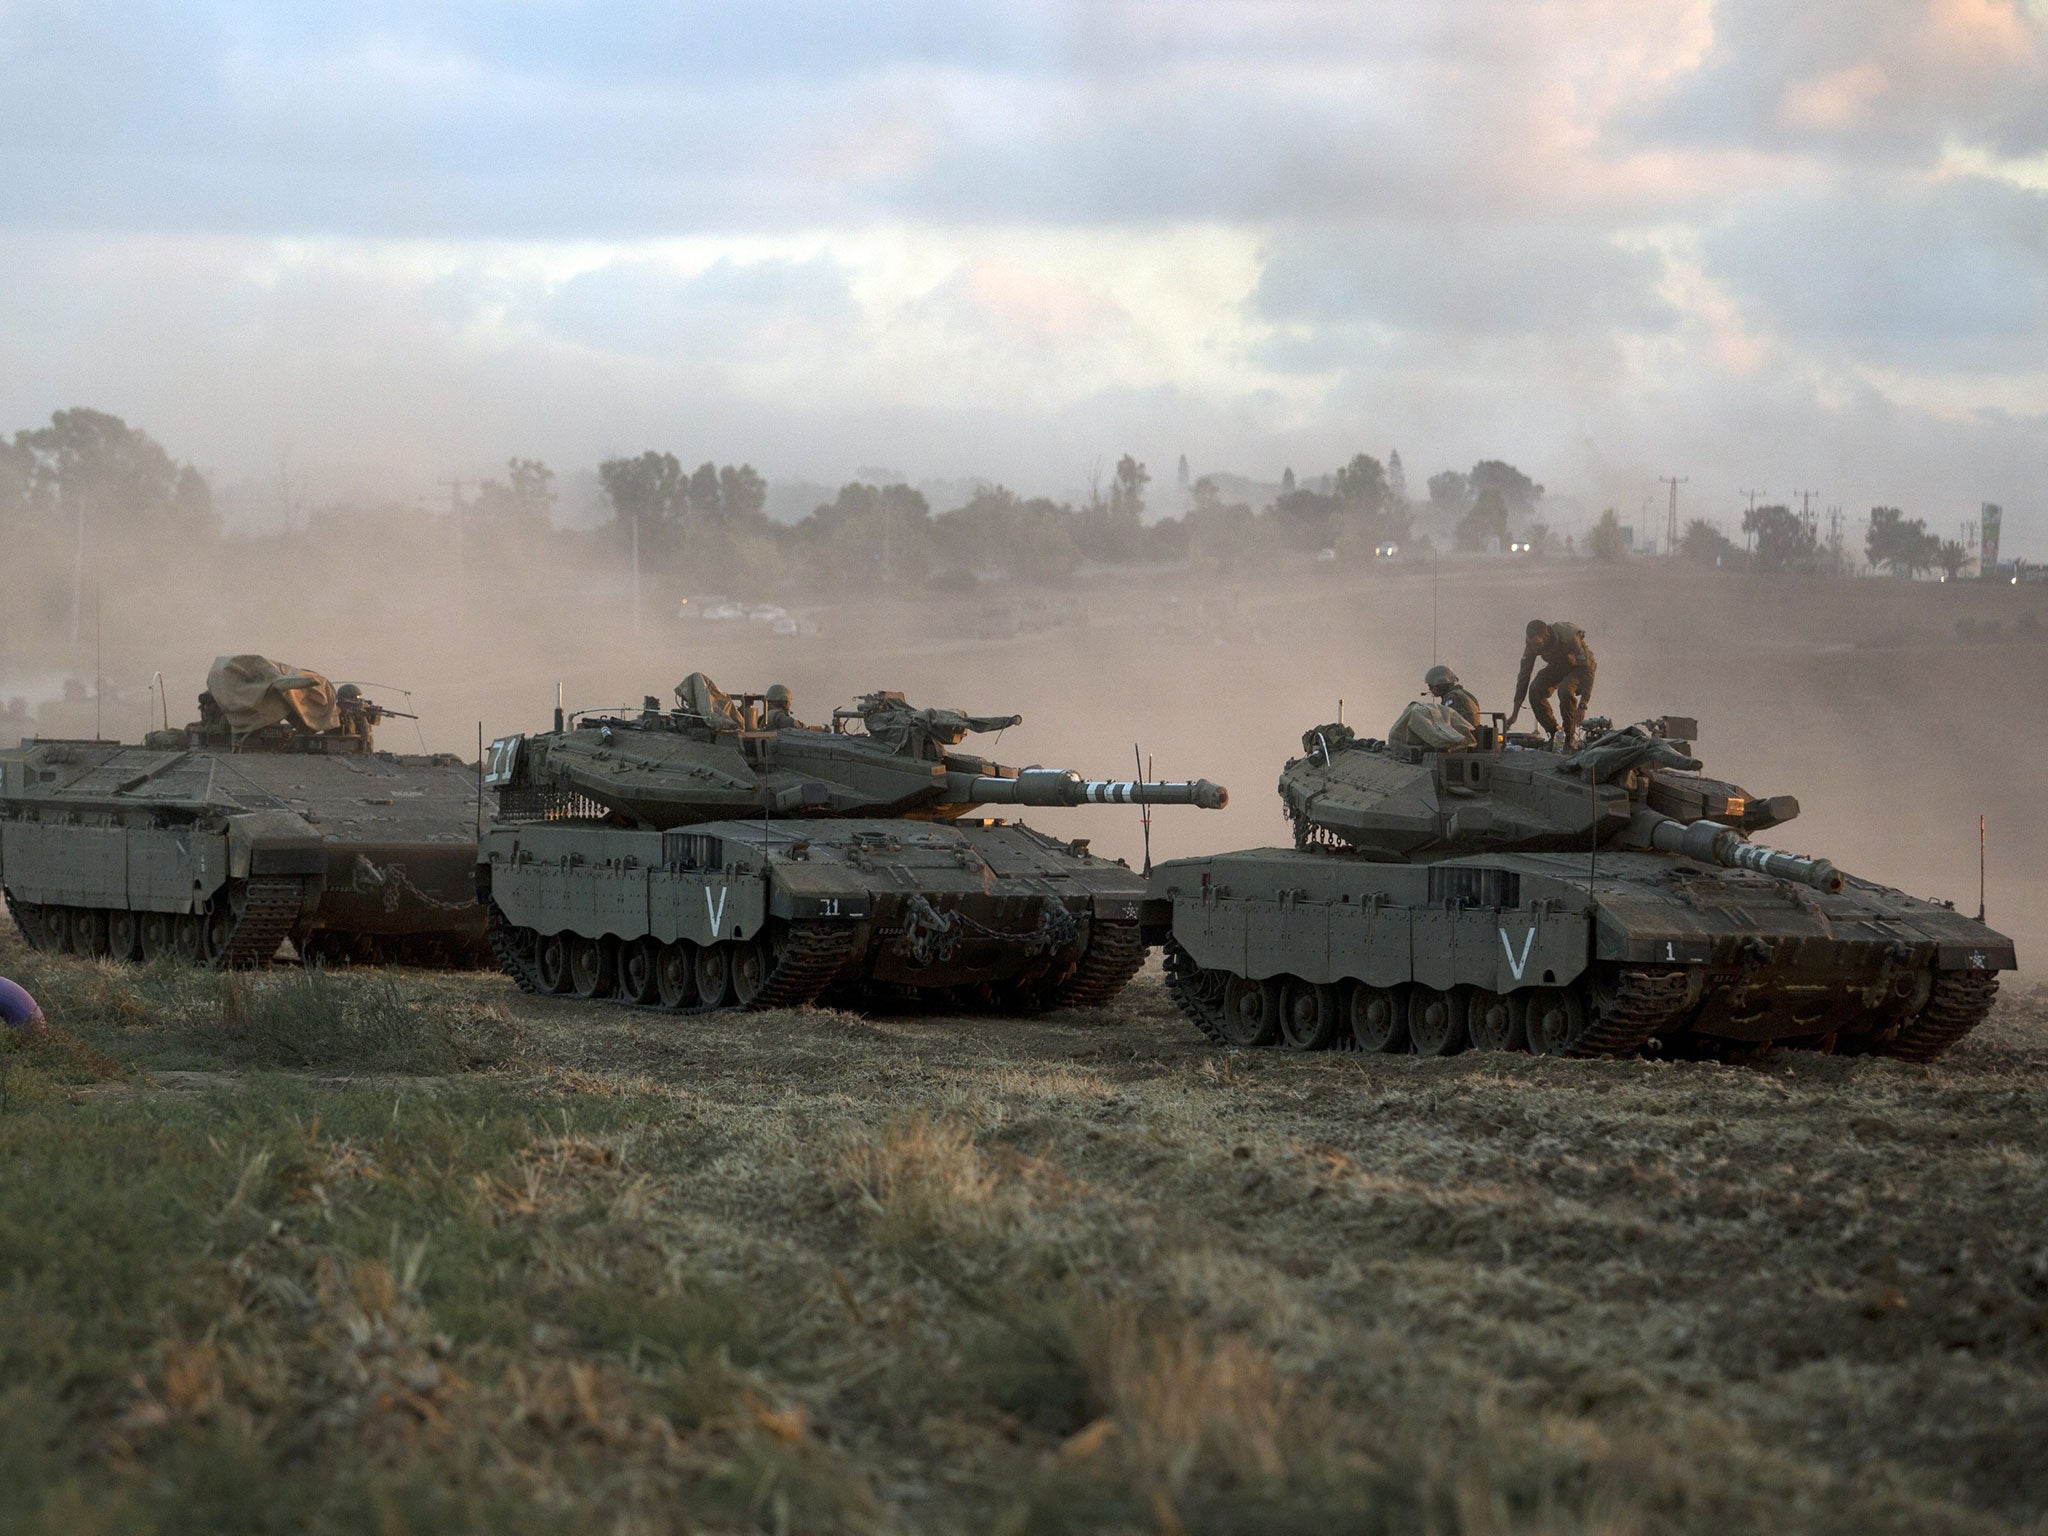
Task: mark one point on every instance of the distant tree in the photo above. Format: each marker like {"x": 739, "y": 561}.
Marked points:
{"x": 91, "y": 467}
{"x": 1607, "y": 542}
{"x": 1305, "y": 519}
{"x": 1518, "y": 493}
{"x": 1487, "y": 523}
{"x": 702, "y": 491}
{"x": 1704, "y": 544}
{"x": 1220, "y": 532}
{"x": 649, "y": 493}
{"x": 1780, "y": 539}
{"x": 527, "y": 502}
{"x": 742, "y": 493}
{"x": 1450, "y": 495}
{"x": 1950, "y": 558}
{"x": 1360, "y": 487}
{"x": 1900, "y": 544}
{"x": 1397, "y": 477}
{"x": 1183, "y": 475}
{"x": 875, "y": 533}
{"x": 1030, "y": 540}
{"x": 1127, "y": 491}
{"x": 1287, "y": 478}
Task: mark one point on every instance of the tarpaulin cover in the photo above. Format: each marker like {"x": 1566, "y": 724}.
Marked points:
{"x": 254, "y": 691}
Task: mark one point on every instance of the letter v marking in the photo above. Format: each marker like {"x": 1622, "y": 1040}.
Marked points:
{"x": 1528, "y": 942}
{"x": 717, "y": 914}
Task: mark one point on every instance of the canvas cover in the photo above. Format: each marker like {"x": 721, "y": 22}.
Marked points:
{"x": 254, "y": 691}
{"x": 1426, "y": 723}
{"x": 698, "y": 695}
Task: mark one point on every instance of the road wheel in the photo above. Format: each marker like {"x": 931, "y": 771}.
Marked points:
{"x": 215, "y": 924}
{"x": 88, "y": 932}
{"x": 591, "y": 966}
{"x": 1251, "y": 1012}
{"x": 1552, "y": 1019}
{"x": 1495, "y": 1022}
{"x": 752, "y": 965}
{"x": 159, "y": 935}
{"x": 188, "y": 931}
{"x": 551, "y": 959}
{"x": 714, "y": 974}
{"x": 640, "y": 971}
{"x": 676, "y": 974}
{"x": 1309, "y": 1015}
{"x": 1379, "y": 1019}
{"x": 1436, "y": 1021}
{"x": 124, "y": 934}
{"x": 57, "y": 930}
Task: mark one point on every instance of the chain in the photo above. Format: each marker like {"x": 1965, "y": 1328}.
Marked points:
{"x": 395, "y": 883}
{"x": 931, "y": 935}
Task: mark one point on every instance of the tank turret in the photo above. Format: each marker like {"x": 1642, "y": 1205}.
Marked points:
{"x": 711, "y": 758}
{"x": 721, "y": 854}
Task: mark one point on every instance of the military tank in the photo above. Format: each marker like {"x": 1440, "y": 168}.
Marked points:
{"x": 1458, "y": 887}
{"x": 272, "y": 817}
{"x": 718, "y": 854}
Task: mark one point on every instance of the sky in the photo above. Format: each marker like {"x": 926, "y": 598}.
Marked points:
{"x": 1760, "y": 246}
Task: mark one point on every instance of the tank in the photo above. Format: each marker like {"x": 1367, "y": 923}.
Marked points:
{"x": 1458, "y": 887}
{"x": 720, "y": 855}
{"x": 272, "y": 817}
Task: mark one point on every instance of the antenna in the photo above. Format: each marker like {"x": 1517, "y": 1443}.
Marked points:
{"x": 1980, "y": 869}
{"x": 479, "y": 781}
{"x": 1144, "y": 807}
{"x": 1433, "y": 657}
{"x": 162, "y": 702}
{"x": 558, "y": 706}
{"x": 96, "y": 690}
{"x": 1340, "y": 711}
{"x": 1593, "y": 844}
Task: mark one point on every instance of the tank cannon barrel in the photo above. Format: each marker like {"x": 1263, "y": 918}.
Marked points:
{"x": 1062, "y": 786}
{"x": 1712, "y": 843}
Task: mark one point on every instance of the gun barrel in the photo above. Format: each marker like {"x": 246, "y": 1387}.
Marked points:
{"x": 1060, "y": 786}
{"x": 1712, "y": 843}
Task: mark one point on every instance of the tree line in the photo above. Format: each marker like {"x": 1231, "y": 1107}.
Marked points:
{"x": 88, "y": 470}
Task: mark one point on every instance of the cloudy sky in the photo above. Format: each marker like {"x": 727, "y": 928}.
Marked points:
{"x": 1762, "y": 245}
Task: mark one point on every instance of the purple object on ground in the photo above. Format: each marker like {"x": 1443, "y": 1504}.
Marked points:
{"x": 18, "y": 1011}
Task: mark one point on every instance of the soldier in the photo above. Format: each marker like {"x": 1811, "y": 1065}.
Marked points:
{"x": 359, "y": 716}
{"x": 1452, "y": 694}
{"x": 1567, "y": 672}
{"x": 778, "y": 716}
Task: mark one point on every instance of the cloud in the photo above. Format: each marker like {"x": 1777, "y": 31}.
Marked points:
{"x": 1946, "y": 273}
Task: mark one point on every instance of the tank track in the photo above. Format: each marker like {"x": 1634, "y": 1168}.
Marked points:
{"x": 22, "y": 924}
{"x": 1642, "y": 1002}
{"x": 270, "y": 910}
{"x": 1958, "y": 1004}
{"x": 1115, "y": 953}
{"x": 812, "y": 955}
{"x": 1181, "y": 971}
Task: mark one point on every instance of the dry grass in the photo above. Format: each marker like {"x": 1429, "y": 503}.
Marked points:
{"x": 804, "y": 1271}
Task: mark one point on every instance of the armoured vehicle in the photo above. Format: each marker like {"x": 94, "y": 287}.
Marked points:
{"x": 272, "y": 817}
{"x": 1459, "y": 887}
{"x": 698, "y": 858}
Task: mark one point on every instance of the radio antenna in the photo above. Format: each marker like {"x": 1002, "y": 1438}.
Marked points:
{"x": 96, "y": 687}
{"x": 162, "y": 702}
{"x": 1980, "y": 869}
{"x": 558, "y": 707}
{"x": 479, "y": 781}
{"x": 1144, "y": 807}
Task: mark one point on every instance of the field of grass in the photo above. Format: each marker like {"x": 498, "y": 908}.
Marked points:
{"x": 413, "y": 1253}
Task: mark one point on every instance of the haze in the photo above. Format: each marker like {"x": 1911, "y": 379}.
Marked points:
{"x": 1754, "y": 245}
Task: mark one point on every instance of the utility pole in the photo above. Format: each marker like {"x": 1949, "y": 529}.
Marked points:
{"x": 1671, "y": 523}
{"x": 1752, "y": 495}
{"x": 1835, "y": 539}
{"x": 1806, "y": 508}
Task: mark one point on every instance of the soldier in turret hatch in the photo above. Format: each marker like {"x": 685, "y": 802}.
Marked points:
{"x": 1452, "y": 694}
{"x": 778, "y": 716}
{"x": 1567, "y": 672}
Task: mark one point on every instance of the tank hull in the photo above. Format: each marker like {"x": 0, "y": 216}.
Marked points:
{"x": 1606, "y": 955}
{"x": 220, "y": 858}
{"x": 759, "y": 914}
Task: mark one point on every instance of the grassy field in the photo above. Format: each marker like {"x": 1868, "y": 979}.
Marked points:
{"x": 412, "y": 1253}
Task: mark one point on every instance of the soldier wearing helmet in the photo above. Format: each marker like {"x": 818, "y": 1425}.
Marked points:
{"x": 1567, "y": 672}
{"x": 1452, "y": 694}
{"x": 778, "y": 715}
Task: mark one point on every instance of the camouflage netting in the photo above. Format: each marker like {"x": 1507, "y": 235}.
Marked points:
{"x": 254, "y": 692}
{"x": 698, "y": 695}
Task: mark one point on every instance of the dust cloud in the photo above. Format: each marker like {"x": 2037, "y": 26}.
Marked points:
{"x": 1896, "y": 712}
